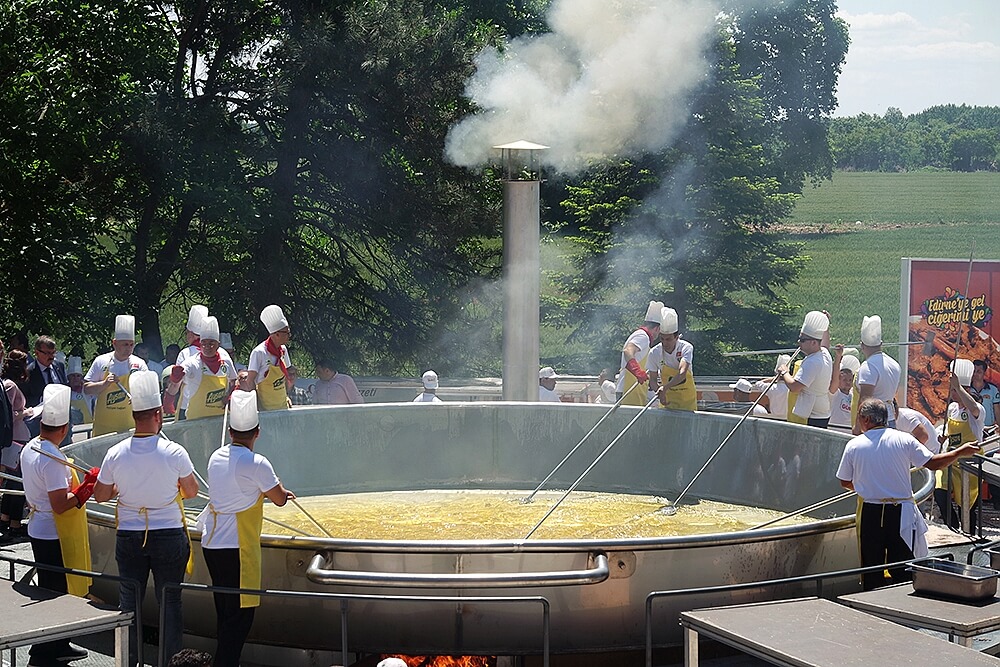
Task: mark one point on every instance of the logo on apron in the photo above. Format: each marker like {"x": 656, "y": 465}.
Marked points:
{"x": 215, "y": 397}
{"x": 115, "y": 397}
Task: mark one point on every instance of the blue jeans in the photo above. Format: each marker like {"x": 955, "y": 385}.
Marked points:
{"x": 165, "y": 556}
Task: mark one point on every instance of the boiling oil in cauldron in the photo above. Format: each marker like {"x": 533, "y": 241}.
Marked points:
{"x": 500, "y": 515}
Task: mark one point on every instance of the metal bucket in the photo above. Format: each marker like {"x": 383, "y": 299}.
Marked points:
{"x": 596, "y": 588}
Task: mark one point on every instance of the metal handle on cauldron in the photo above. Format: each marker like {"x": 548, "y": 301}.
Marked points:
{"x": 317, "y": 573}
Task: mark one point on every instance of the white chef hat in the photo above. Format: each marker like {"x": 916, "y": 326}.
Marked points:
{"x": 430, "y": 380}
{"x": 124, "y": 327}
{"x": 210, "y": 328}
{"x": 547, "y": 373}
{"x": 743, "y": 385}
{"x": 145, "y": 389}
{"x": 654, "y": 312}
{"x": 391, "y": 662}
{"x": 55, "y": 411}
{"x": 243, "y": 410}
{"x": 963, "y": 370}
{"x": 74, "y": 366}
{"x": 783, "y": 360}
{"x": 668, "y": 320}
{"x": 850, "y": 363}
{"x": 273, "y": 318}
{"x": 815, "y": 325}
{"x": 196, "y": 316}
{"x": 226, "y": 340}
{"x": 871, "y": 331}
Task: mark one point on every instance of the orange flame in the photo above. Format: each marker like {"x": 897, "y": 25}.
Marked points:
{"x": 444, "y": 660}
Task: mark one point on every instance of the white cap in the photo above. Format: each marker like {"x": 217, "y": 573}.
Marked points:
{"x": 668, "y": 320}
{"x": 850, "y": 363}
{"x": 226, "y": 340}
{"x": 392, "y": 662}
{"x": 871, "y": 331}
{"x": 196, "y": 316}
{"x": 124, "y": 327}
{"x": 210, "y": 328}
{"x": 273, "y": 318}
{"x": 783, "y": 360}
{"x": 963, "y": 370}
{"x": 145, "y": 389}
{"x": 430, "y": 380}
{"x": 654, "y": 312}
{"x": 74, "y": 366}
{"x": 546, "y": 373}
{"x": 815, "y": 325}
{"x": 743, "y": 385}
{"x": 243, "y": 410}
{"x": 55, "y": 411}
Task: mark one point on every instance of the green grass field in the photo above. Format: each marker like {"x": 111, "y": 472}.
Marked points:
{"x": 854, "y": 270}
{"x": 907, "y": 199}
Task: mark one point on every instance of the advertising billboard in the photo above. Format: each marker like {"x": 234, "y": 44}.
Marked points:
{"x": 954, "y": 307}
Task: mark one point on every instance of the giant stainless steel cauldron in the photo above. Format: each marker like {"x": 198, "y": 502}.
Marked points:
{"x": 596, "y": 588}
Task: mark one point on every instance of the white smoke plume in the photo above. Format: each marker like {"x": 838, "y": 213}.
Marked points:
{"x": 611, "y": 78}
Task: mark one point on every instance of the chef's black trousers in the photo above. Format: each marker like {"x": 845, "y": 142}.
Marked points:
{"x": 47, "y": 552}
{"x": 881, "y": 543}
{"x": 233, "y": 621}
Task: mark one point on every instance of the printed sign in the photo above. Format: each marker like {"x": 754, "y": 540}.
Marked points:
{"x": 944, "y": 303}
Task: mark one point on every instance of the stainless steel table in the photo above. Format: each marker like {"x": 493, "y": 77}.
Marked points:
{"x": 32, "y": 614}
{"x": 962, "y": 621}
{"x": 821, "y": 633}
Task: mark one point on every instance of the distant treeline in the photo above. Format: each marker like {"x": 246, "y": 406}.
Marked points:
{"x": 950, "y": 137}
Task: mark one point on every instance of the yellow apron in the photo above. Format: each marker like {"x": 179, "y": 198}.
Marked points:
{"x": 793, "y": 397}
{"x": 271, "y": 392}
{"x": 209, "y": 399}
{"x": 855, "y": 404}
{"x": 683, "y": 396}
{"x": 640, "y": 395}
{"x": 113, "y": 410}
{"x": 83, "y": 405}
{"x": 959, "y": 432}
{"x": 248, "y": 527}
{"x": 74, "y": 543}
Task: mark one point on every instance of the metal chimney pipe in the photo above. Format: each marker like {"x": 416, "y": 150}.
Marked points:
{"x": 521, "y": 271}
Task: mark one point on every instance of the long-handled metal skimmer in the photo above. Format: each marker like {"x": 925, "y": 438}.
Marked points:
{"x": 311, "y": 517}
{"x": 591, "y": 466}
{"x": 607, "y": 414}
{"x": 671, "y": 508}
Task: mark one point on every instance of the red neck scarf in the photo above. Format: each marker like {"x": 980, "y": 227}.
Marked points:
{"x": 650, "y": 334}
{"x": 276, "y": 351}
{"x": 213, "y": 363}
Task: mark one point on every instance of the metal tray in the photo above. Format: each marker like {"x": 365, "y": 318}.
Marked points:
{"x": 946, "y": 578}
{"x": 994, "y": 554}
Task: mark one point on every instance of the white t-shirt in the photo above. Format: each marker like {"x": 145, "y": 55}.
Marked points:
{"x": 959, "y": 413}
{"x": 107, "y": 363}
{"x": 840, "y": 409}
{"x": 425, "y": 397}
{"x": 194, "y": 369}
{"x": 146, "y": 471}
{"x": 186, "y": 353}
{"x": 607, "y": 395}
{"x": 815, "y": 372}
{"x": 777, "y": 396}
{"x": 41, "y": 475}
{"x": 236, "y": 479}
{"x": 547, "y": 395}
{"x": 259, "y": 359}
{"x": 881, "y": 372}
{"x": 683, "y": 350}
{"x": 640, "y": 339}
{"x": 909, "y": 419}
{"x": 878, "y": 462}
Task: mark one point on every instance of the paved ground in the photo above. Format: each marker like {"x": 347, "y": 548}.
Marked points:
{"x": 940, "y": 540}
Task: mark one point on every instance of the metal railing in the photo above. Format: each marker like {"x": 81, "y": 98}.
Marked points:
{"x": 817, "y": 578}
{"x": 346, "y": 598}
{"x": 136, "y": 613}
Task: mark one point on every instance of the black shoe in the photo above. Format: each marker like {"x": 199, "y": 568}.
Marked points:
{"x": 15, "y": 535}
{"x": 71, "y": 653}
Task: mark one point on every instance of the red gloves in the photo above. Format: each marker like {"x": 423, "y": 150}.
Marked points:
{"x": 85, "y": 489}
{"x": 633, "y": 367}
{"x": 176, "y": 374}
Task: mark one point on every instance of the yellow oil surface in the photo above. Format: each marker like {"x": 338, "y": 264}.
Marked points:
{"x": 501, "y": 515}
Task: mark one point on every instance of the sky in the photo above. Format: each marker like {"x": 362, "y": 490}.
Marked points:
{"x": 919, "y": 53}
